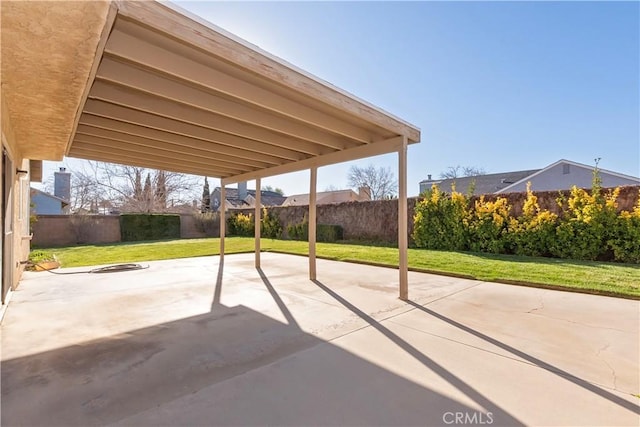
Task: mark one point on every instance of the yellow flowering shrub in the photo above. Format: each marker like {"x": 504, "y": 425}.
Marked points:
{"x": 533, "y": 232}
{"x": 488, "y": 225}
{"x": 439, "y": 220}
{"x": 587, "y": 225}
{"x": 270, "y": 225}
{"x": 241, "y": 225}
{"x": 625, "y": 240}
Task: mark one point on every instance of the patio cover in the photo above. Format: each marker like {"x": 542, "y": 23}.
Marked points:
{"x": 147, "y": 84}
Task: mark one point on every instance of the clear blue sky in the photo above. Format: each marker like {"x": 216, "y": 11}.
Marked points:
{"x": 498, "y": 85}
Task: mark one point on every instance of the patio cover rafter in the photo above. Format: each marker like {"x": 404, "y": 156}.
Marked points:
{"x": 197, "y": 96}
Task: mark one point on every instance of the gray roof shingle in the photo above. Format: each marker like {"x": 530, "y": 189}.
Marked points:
{"x": 268, "y": 198}
{"x": 484, "y": 184}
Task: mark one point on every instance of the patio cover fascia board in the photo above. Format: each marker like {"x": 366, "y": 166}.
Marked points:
{"x": 151, "y": 91}
{"x": 391, "y": 145}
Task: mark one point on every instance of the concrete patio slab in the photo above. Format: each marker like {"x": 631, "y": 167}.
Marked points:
{"x": 181, "y": 344}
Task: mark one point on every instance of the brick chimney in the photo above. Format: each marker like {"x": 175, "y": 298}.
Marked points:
{"x": 62, "y": 184}
{"x": 364, "y": 193}
{"x": 242, "y": 190}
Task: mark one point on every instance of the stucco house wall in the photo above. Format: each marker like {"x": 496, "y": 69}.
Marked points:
{"x": 45, "y": 204}
{"x": 15, "y": 218}
{"x": 327, "y": 197}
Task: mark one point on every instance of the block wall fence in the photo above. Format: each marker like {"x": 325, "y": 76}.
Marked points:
{"x": 375, "y": 220}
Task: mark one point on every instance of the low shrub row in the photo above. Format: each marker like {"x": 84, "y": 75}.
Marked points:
{"x": 588, "y": 228}
{"x": 324, "y": 232}
{"x": 239, "y": 224}
{"x": 135, "y": 227}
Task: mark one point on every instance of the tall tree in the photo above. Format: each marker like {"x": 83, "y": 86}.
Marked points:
{"x": 462, "y": 171}
{"x": 206, "y": 197}
{"x": 381, "y": 181}
{"x": 121, "y": 188}
{"x": 137, "y": 186}
{"x": 275, "y": 190}
{"x": 160, "y": 191}
{"x": 147, "y": 194}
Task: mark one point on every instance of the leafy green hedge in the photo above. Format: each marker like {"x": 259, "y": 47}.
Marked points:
{"x": 134, "y": 227}
{"x": 270, "y": 225}
{"x": 324, "y": 232}
{"x": 588, "y": 228}
{"x": 299, "y": 231}
{"x": 329, "y": 233}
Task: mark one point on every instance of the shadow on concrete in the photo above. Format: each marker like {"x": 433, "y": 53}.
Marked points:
{"x": 114, "y": 379}
{"x": 281, "y": 305}
{"x": 217, "y": 291}
{"x": 500, "y": 416}
{"x": 529, "y": 358}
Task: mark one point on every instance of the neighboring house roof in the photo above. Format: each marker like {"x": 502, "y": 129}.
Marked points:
{"x": 484, "y": 184}
{"x": 576, "y": 164}
{"x": 324, "y": 197}
{"x": 51, "y": 196}
{"x": 515, "y": 181}
{"x": 267, "y": 198}
{"x": 185, "y": 208}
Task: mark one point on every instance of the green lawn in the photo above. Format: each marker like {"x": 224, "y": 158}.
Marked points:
{"x": 594, "y": 277}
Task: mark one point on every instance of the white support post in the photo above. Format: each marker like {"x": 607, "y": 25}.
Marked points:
{"x": 223, "y": 204}
{"x": 257, "y": 217}
{"x": 312, "y": 223}
{"x": 403, "y": 265}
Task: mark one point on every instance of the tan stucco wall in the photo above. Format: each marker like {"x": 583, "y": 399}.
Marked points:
{"x": 21, "y": 242}
{"x": 21, "y": 232}
{"x": 48, "y": 49}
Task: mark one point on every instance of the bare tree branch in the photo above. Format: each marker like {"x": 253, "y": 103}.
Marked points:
{"x": 462, "y": 171}
{"x": 108, "y": 186}
{"x": 280, "y": 191}
{"x": 381, "y": 181}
